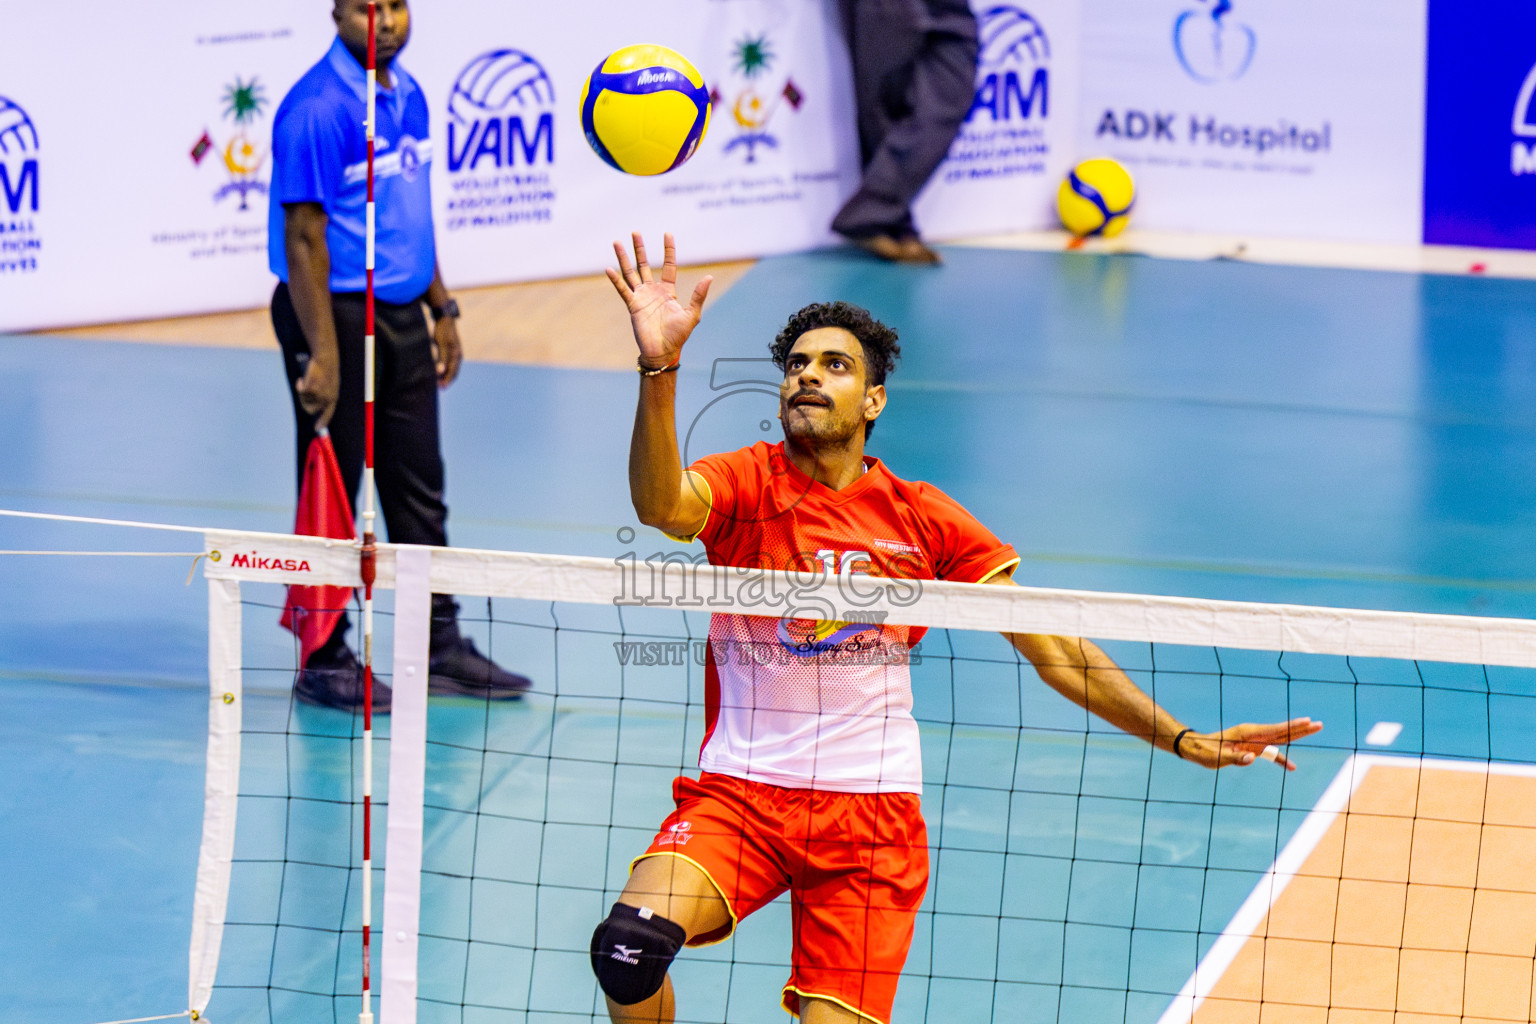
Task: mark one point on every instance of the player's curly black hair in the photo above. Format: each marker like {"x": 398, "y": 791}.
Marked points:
{"x": 881, "y": 349}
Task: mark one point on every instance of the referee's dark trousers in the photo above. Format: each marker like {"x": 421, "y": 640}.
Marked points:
{"x": 408, "y": 458}
{"x": 914, "y": 77}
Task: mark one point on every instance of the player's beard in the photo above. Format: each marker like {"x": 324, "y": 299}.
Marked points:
{"x": 824, "y": 427}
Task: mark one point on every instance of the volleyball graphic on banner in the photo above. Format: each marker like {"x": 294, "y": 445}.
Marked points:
{"x": 1095, "y": 198}
{"x": 645, "y": 109}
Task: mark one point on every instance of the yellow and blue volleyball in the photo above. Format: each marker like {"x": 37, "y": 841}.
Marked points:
{"x": 645, "y": 109}
{"x": 1096, "y": 198}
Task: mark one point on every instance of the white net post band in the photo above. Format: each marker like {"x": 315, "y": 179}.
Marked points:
{"x": 221, "y": 791}
{"x": 407, "y": 784}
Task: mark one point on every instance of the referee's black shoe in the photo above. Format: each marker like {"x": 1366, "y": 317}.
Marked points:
{"x": 333, "y": 678}
{"x": 457, "y": 668}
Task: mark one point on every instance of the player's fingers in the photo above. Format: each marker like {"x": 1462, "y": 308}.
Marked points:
{"x": 641, "y": 264}
{"x": 1235, "y": 753}
{"x": 1275, "y": 732}
{"x": 700, "y": 291}
{"x": 1249, "y": 753}
{"x": 669, "y": 259}
{"x": 619, "y": 286}
{"x": 626, "y": 268}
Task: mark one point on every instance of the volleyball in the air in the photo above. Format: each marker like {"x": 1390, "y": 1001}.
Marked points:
{"x": 645, "y": 109}
{"x": 1096, "y": 198}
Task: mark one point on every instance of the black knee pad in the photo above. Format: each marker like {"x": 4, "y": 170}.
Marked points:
{"x": 631, "y": 952}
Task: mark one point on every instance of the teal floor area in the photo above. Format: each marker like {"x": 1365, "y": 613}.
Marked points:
{"x": 1206, "y": 429}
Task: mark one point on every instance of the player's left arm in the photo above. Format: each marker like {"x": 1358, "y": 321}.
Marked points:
{"x": 445, "y": 331}
{"x": 1078, "y": 670}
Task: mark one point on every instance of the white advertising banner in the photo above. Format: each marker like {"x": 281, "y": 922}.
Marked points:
{"x": 148, "y": 141}
{"x": 1275, "y": 117}
{"x": 136, "y": 155}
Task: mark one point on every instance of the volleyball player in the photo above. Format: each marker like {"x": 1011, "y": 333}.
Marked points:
{"x": 810, "y": 769}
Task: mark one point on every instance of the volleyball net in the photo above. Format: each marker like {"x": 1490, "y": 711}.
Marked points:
{"x": 1076, "y": 874}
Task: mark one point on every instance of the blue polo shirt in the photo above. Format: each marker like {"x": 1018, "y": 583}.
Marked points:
{"x": 320, "y": 154}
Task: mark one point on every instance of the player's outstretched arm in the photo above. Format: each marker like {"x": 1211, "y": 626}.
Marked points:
{"x": 661, "y": 496}
{"x": 1085, "y": 675}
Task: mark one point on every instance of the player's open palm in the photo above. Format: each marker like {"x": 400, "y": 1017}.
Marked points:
{"x": 1247, "y": 743}
{"x": 661, "y": 323}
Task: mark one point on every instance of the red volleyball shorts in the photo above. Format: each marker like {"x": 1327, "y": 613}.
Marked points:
{"x": 855, "y": 866}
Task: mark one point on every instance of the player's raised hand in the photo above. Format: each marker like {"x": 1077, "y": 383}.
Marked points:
{"x": 1246, "y": 743}
{"x": 661, "y": 323}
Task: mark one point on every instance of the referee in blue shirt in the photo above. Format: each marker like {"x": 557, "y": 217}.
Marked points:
{"x": 316, "y": 247}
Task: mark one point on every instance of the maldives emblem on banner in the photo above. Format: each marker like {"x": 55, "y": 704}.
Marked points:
{"x": 755, "y": 96}
{"x": 240, "y": 154}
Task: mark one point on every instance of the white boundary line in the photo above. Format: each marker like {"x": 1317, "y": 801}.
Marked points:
{"x": 1333, "y": 802}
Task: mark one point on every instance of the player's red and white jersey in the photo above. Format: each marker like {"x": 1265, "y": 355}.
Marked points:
{"x": 802, "y": 694}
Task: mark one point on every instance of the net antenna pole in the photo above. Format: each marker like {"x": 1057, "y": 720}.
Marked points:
{"x": 369, "y": 565}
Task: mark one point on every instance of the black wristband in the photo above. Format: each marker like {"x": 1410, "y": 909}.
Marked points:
{"x": 449, "y": 309}
{"x": 1180, "y": 739}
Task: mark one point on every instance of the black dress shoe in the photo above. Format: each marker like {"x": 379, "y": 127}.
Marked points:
{"x": 337, "y": 682}
{"x": 458, "y": 669}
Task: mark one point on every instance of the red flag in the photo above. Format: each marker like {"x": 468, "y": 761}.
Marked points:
{"x": 324, "y": 511}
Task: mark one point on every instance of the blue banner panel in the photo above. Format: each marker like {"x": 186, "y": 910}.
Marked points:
{"x": 1480, "y": 131}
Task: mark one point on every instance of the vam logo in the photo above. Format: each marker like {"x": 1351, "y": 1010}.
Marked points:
{"x": 20, "y": 244}
{"x": 1013, "y": 80}
{"x": 1522, "y": 157}
{"x": 18, "y": 159}
{"x": 501, "y": 113}
{"x": 1210, "y": 46}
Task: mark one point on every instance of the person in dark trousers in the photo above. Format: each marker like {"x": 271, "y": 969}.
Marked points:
{"x": 914, "y": 76}
{"x": 316, "y": 248}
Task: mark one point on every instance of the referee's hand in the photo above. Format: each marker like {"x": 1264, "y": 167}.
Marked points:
{"x": 318, "y": 390}
{"x": 447, "y": 352}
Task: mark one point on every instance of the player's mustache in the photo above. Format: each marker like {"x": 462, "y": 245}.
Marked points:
{"x": 809, "y": 393}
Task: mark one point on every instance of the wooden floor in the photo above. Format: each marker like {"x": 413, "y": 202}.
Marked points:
{"x": 1416, "y": 905}
{"x": 575, "y": 322}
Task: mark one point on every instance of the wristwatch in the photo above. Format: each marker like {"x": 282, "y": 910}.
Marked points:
{"x": 448, "y": 309}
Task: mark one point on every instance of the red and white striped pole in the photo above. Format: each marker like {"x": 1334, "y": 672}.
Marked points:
{"x": 370, "y": 548}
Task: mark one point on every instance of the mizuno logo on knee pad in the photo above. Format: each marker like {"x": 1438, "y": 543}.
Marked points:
{"x": 631, "y": 952}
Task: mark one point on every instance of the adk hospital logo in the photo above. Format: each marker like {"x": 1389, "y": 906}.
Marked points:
{"x": 1004, "y": 133}
{"x": 501, "y": 142}
{"x": 20, "y": 172}
{"x": 1522, "y": 154}
{"x": 1211, "y": 44}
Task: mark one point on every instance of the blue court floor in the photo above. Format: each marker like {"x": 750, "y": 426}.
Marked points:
{"x": 1207, "y": 429}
